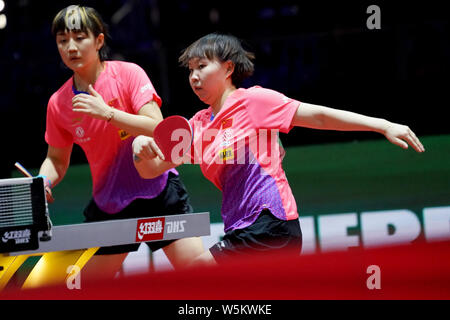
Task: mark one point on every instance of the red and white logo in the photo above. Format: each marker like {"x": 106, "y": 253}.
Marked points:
{"x": 79, "y": 131}
{"x": 150, "y": 229}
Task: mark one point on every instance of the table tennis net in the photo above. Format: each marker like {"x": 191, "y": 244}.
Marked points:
{"x": 23, "y": 213}
{"x": 16, "y": 207}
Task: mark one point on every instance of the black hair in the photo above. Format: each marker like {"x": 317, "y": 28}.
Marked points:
{"x": 79, "y": 18}
{"x": 225, "y": 47}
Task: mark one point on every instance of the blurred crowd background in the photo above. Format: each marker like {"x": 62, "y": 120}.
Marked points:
{"x": 320, "y": 52}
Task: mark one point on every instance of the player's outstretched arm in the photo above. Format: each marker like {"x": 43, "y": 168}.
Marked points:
{"x": 320, "y": 117}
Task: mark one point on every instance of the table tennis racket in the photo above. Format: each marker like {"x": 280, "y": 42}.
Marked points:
{"x": 26, "y": 173}
{"x": 174, "y": 138}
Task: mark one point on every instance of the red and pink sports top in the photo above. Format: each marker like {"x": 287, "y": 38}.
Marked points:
{"x": 238, "y": 150}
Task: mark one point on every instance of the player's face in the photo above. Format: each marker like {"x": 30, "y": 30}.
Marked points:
{"x": 78, "y": 49}
{"x": 208, "y": 79}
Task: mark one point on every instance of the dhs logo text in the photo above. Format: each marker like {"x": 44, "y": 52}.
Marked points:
{"x": 175, "y": 226}
{"x": 19, "y": 236}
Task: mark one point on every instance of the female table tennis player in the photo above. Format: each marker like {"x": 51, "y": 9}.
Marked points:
{"x": 101, "y": 108}
{"x": 258, "y": 208}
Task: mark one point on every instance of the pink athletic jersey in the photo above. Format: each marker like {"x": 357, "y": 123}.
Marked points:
{"x": 238, "y": 150}
{"x": 124, "y": 86}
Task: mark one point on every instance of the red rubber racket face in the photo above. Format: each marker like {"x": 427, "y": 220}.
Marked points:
{"x": 174, "y": 137}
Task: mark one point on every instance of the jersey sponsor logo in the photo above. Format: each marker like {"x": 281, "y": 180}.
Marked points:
{"x": 175, "y": 226}
{"x": 123, "y": 134}
{"x": 226, "y": 154}
{"x": 19, "y": 236}
{"x": 79, "y": 131}
{"x": 150, "y": 229}
{"x": 227, "y": 133}
{"x": 80, "y": 136}
{"x": 148, "y": 86}
{"x": 227, "y": 138}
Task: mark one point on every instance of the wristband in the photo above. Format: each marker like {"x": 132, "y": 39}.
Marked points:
{"x": 47, "y": 181}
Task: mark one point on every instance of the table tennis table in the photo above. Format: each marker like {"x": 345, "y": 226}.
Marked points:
{"x": 26, "y": 230}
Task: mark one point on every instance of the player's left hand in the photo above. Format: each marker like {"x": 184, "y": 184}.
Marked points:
{"x": 145, "y": 148}
{"x": 91, "y": 104}
{"x": 403, "y": 136}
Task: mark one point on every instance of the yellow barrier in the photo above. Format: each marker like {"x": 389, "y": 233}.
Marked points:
{"x": 51, "y": 269}
{"x": 10, "y": 264}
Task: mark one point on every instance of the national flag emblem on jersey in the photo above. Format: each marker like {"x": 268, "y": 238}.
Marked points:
{"x": 115, "y": 103}
{"x": 227, "y": 123}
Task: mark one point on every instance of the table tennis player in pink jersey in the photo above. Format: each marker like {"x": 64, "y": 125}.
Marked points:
{"x": 245, "y": 149}
{"x": 235, "y": 143}
{"x": 101, "y": 108}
